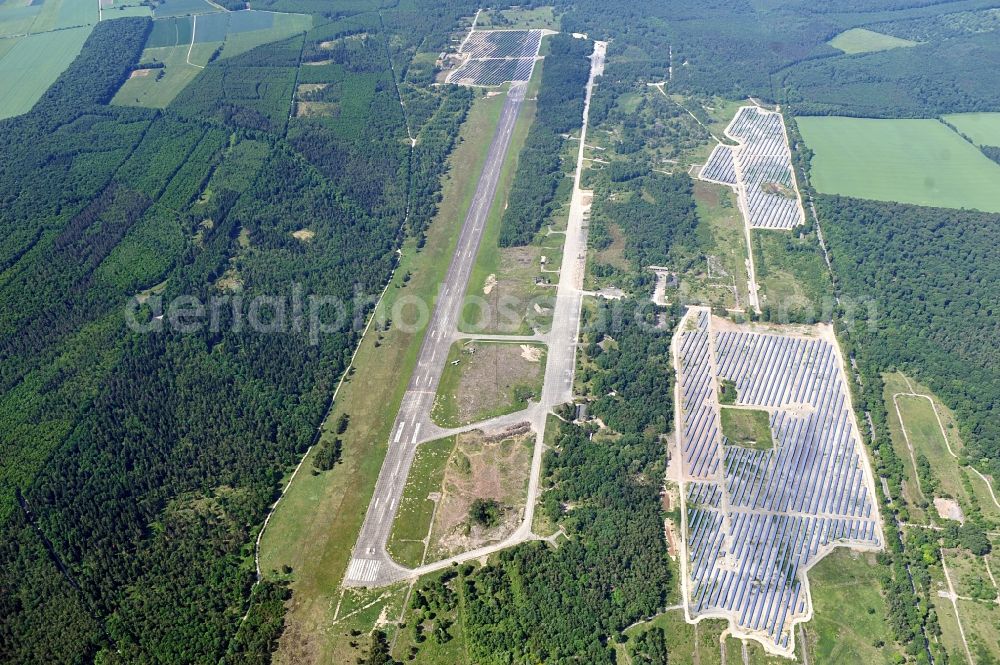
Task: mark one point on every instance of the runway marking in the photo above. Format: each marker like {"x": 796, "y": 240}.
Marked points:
{"x": 363, "y": 570}
{"x": 399, "y": 432}
{"x": 415, "y": 433}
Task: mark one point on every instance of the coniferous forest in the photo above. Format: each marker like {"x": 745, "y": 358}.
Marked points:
{"x": 141, "y": 446}
{"x": 137, "y": 467}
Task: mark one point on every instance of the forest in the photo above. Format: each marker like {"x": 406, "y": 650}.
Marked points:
{"x": 540, "y": 168}
{"x": 570, "y": 604}
{"x": 138, "y": 467}
{"x": 777, "y": 51}
{"x": 957, "y": 75}
{"x": 924, "y": 280}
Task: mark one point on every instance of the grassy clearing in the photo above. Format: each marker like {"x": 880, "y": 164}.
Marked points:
{"x": 416, "y": 508}
{"x": 687, "y": 643}
{"x": 896, "y": 383}
{"x": 483, "y": 380}
{"x": 155, "y": 90}
{"x": 480, "y": 468}
{"x": 951, "y": 478}
{"x": 749, "y": 428}
{"x": 969, "y": 575}
{"x": 721, "y": 259}
{"x": 792, "y": 276}
{"x": 849, "y": 622}
{"x": 951, "y": 637}
{"x": 982, "y": 630}
{"x": 860, "y": 40}
{"x": 31, "y": 65}
{"x": 314, "y": 528}
{"x": 983, "y": 128}
{"x": 519, "y": 19}
{"x": 909, "y": 161}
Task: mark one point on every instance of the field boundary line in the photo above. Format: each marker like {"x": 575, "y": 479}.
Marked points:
{"x": 194, "y": 31}
{"x": 909, "y": 446}
{"x": 953, "y": 597}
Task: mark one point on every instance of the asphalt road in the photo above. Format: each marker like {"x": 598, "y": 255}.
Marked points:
{"x": 370, "y": 563}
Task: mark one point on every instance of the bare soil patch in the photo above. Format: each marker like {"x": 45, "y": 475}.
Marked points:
{"x": 949, "y": 509}
{"x": 305, "y": 235}
{"x": 490, "y": 379}
{"x": 480, "y": 467}
{"x": 491, "y": 282}
{"x": 139, "y": 73}
{"x": 510, "y": 295}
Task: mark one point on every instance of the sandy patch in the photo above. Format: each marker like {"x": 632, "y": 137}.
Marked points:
{"x": 480, "y": 468}
{"x": 949, "y": 509}
{"x": 491, "y": 282}
{"x": 305, "y": 235}
{"x": 531, "y": 353}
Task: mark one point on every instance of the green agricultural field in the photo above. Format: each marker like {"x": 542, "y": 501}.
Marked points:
{"x": 416, "y": 509}
{"x": 71, "y": 14}
{"x": 909, "y": 161}
{"x": 241, "y": 38}
{"x": 983, "y": 128}
{"x": 7, "y": 45}
{"x": 850, "y": 618}
{"x": 750, "y": 428}
{"x": 33, "y": 63}
{"x": 170, "y": 43}
{"x": 122, "y": 11}
{"x": 860, "y": 40}
{"x": 184, "y": 8}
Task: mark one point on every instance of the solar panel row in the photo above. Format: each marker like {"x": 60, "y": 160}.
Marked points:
{"x": 756, "y": 519}
{"x": 761, "y": 167}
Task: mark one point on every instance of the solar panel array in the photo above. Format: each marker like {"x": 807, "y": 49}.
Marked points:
{"x": 502, "y": 43}
{"x": 757, "y": 519}
{"x": 493, "y": 72}
{"x": 494, "y": 57}
{"x": 761, "y": 167}
{"x": 719, "y": 167}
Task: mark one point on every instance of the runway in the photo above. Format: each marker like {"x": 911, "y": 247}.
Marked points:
{"x": 371, "y": 565}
